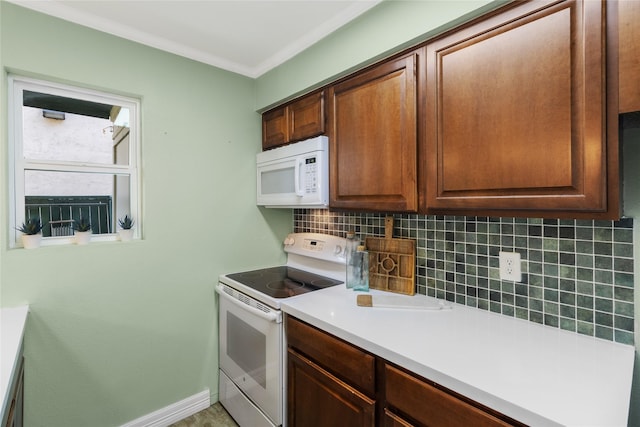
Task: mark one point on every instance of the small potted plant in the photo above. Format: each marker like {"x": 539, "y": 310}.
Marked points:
{"x": 126, "y": 225}
{"x": 82, "y": 231}
{"x": 31, "y": 233}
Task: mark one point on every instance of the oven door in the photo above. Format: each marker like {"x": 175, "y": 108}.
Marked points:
{"x": 251, "y": 349}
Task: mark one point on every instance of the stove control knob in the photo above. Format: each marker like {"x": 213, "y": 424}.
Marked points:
{"x": 338, "y": 250}
{"x": 288, "y": 241}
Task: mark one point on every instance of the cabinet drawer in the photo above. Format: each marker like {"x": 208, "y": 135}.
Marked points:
{"x": 393, "y": 420}
{"x": 338, "y": 357}
{"x": 431, "y": 406}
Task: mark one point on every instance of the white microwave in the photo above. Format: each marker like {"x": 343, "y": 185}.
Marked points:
{"x": 294, "y": 176}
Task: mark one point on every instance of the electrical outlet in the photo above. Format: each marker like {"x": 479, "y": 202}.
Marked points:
{"x": 510, "y": 266}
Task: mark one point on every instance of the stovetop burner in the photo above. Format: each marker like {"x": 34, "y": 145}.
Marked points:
{"x": 283, "y": 281}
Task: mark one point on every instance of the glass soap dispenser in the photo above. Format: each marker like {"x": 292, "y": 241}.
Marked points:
{"x": 361, "y": 270}
{"x": 350, "y": 252}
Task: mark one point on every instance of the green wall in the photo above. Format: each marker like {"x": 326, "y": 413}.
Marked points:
{"x": 119, "y": 330}
{"x": 381, "y": 31}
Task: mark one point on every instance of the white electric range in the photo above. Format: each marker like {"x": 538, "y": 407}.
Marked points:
{"x": 252, "y": 342}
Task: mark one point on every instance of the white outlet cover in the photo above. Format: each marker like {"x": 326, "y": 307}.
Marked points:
{"x": 510, "y": 266}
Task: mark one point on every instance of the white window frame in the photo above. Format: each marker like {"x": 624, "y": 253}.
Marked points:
{"x": 18, "y": 164}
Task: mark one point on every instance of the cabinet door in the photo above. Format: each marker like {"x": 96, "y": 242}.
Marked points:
{"x": 16, "y": 406}
{"x": 301, "y": 119}
{"x": 373, "y": 138}
{"x": 629, "y": 51}
{"x": 306, "y": 117}
{"x": 275, "y": 128}
{"x": 315, "y": 398}
{"x": 515, "y": 116}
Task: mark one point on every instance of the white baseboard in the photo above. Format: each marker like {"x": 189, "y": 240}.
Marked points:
{"x": 173, "y": 413}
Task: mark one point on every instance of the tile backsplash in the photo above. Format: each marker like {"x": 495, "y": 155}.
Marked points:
{"x": 576, "y": 274}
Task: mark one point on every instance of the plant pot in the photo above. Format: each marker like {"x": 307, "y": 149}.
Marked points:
{"x": 125, "y": 235}
{"x": 82, "y": 237}
{"x": 31, "y": 241}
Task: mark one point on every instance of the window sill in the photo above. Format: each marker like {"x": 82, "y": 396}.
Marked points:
{"x": 70, "y": 240}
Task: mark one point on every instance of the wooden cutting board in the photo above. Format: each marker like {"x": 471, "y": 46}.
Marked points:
{"x": 392, "y": 262}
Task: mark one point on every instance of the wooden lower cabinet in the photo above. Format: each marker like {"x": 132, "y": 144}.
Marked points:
{"x": 16, "y": 406}
{"x": 331, "y": 382}
{"x": 316, "y": 398}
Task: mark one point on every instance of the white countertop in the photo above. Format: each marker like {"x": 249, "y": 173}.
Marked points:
{"x": 539, "y": 375}
{"x": 12, "y": 323}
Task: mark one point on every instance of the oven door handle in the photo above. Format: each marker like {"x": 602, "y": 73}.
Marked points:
{"x": 271, "y": 316}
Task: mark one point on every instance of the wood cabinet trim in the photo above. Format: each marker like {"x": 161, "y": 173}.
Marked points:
{"x": 623, "y": 17}
{"x": 394, "y": 420}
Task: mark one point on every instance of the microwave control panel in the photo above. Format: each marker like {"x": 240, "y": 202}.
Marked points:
{"x": 311, "y": 175}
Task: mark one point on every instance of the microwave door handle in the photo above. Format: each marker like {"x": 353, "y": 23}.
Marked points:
{"x": 297, "y": 180}
{"x": 271, "y": 317}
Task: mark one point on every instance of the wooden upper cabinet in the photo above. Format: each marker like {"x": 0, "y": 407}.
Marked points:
{"x": 275, "y": 128}
{"x": 373, "y": 137}
{"x": 301, "y": 119}
{"x": 516, "y": 116}
{"x": 306, "y": 117}
{"x": 629, "y": 48}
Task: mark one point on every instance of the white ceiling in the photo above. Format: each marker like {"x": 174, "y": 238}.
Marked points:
{"x": 248, "y": 37}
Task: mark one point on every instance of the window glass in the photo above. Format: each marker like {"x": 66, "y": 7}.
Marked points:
{"x": 49, "y": 183}
{"x": 57, "y": 136}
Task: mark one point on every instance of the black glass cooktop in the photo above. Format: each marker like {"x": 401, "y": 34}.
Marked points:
{"x": 283, "y": 281}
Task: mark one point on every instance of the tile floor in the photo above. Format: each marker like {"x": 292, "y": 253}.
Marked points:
{"x": 214, "y": 416}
